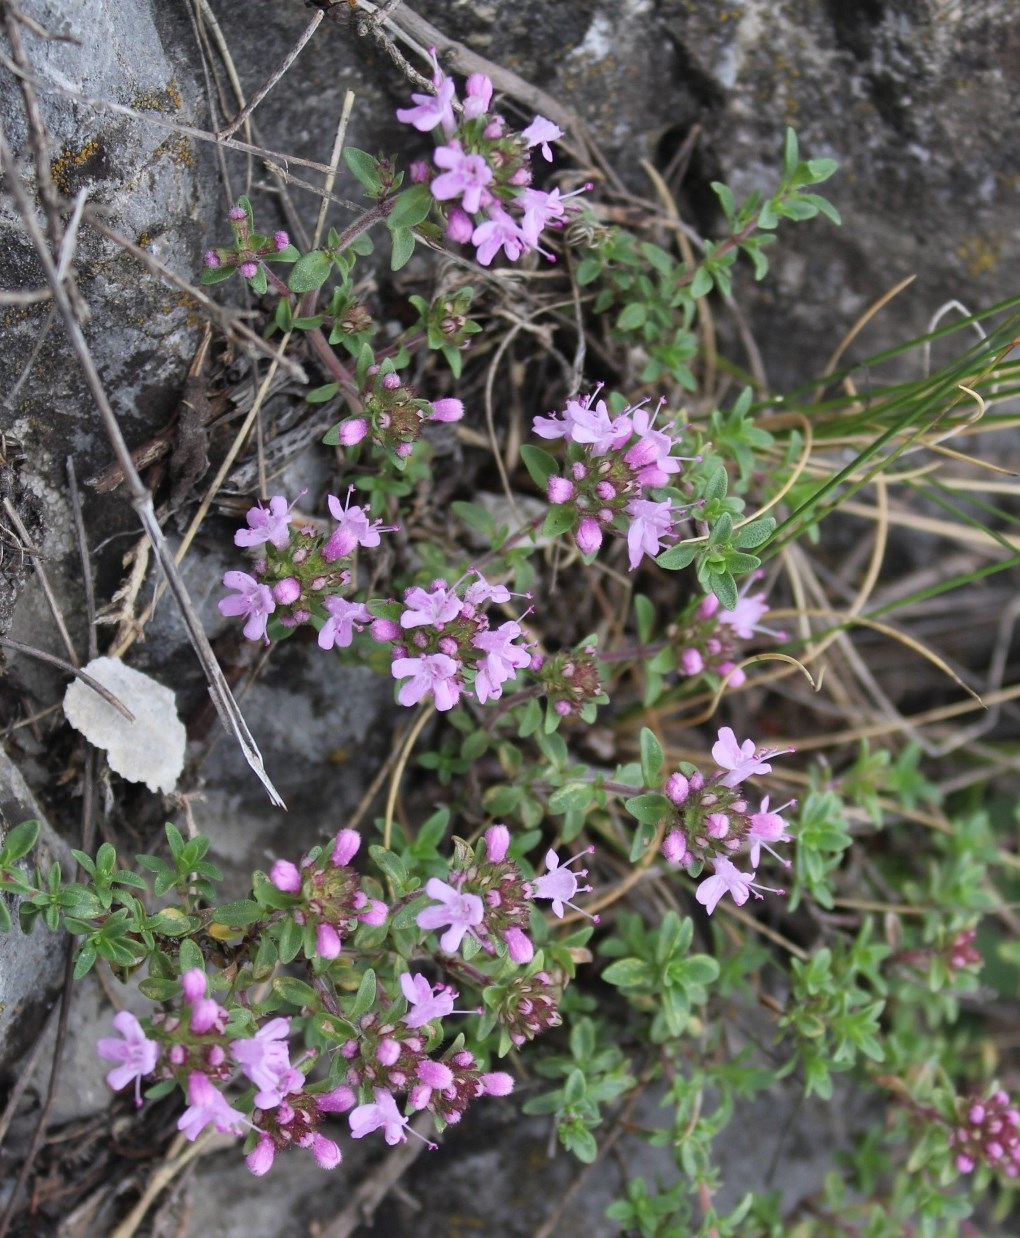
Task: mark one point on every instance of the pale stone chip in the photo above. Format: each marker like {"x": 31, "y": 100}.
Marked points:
{"x": 150, "y": 749}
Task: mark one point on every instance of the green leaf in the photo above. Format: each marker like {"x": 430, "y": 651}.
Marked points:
{"x": 540, "y": 464}
{"x": 5, "y": 918}
{"x": 411, "y": 207}
{"x": 725, "y": 589}
{"x": 238, "y": 914}
{"x": 364, "y": 167}
{"x": 310, "y": 272}
{"x": 649, "y": 808}
{"x": 755, "y": 533}
{"x": 84, "y": 960}
{"x": 632, "y": 317}
{"x": 631, "y": 973}
{"x": 320, "y": 395}
{"x": 652, "y": 757}
{"x": 171, "y": 922}
{"x": 19, "y": 842}
{"x": 216, "y": 275}
{"x": 295, "y": 992}
{"x": 403, "y": 247}
{"x": 365, "y": 998}
{"x": 572, "y": 796}
{"x": 702, "y": 284}
{"x": 189, "y": 956}
{"x": 680, "y": 556}
{"x": 560, "y": 519}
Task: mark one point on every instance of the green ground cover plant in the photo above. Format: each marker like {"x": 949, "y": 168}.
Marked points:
{"x": 696, "y": 834}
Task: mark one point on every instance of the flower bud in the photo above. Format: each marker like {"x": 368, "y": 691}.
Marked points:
{"x": 559, "y": 490}
{"x": 589, "y": 536}
{"x": 287, "y": 590}
{"x": 286, "y": 876}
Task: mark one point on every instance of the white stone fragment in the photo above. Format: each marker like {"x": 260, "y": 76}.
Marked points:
{"x": 150, "y": 749}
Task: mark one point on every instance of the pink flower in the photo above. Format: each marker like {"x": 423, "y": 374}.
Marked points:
{"x": 479, "y": 95}
{"x": 206, "y": 1104}
{"x": 425, "y": 1003}
{"x": 650, "y": 522}
{"x": 590, "y": 425}
{"x": 502, "y": 659}
{"x": 649, "y": 456}
{"x": 280, "y": 240}
{"x": 481, "y": 591}
{"x": 540, "y": 133}
{"x": 344, "y": 618}
{"x": 498, "y": 232}
{"x": 541, "y": 208}
{"x": 767, "y": 827}
{"x": 382, "y": 1113}
{"x": 265, "y": 1060}
{"x": 251, "y": 599}
{"x": 559, "y": 884}
{"x": 727, "y": 878}
{"x": 457, "y": 912}
{"x": 435, "y": 673}
{"x": 691, "y": 662}
{"x": 266, "y": 526}
{"x": 430, "y": 607}
{"x": 353, "y": 530}
{"x": 135, "y": 1052}
{"x": 465, "y": 178}
{"x": 740, "y": 760}
{"x": 212, "y": 259}
{"x": 432, "y": 110}
{"x": 326, "y": 1152}
{"x": 248, "y": 269}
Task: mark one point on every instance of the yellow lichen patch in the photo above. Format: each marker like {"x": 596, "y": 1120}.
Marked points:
{"x": 980, "y": 254}
{"x": 177, "y": 150}
{"x": 73, "y": 161}
{"x": 166, "y": 100}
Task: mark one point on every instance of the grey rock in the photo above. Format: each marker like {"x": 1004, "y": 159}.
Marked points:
{"x": 31, "y": 964}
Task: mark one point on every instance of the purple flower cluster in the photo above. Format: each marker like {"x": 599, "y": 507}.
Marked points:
{"x": 708, "y": 639}
{"x": 443, "y": 642}
{"x": 390, "y": 1056}
{"x": 482, "y": 174}
{"x": 988, "y": 1133}
{"x": 713, "y": 820}
{"x": 490, "y": 901}
{"x": 300, "y": 575}
{"x": 249, "y": 248}
{"x": 329, "y": 899}
{"x": 393, "y": 414}
{"x": 615, "y": 463}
